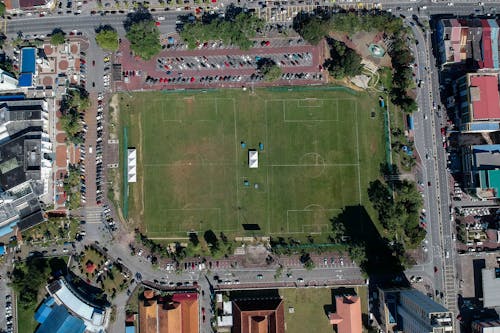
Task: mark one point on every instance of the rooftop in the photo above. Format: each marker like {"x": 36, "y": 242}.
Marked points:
{"x": 262, "y": 316}
{"x": 491, "y": 284}
{"x": 348, "y": 314}
{"x": 178, "y": 313}
{"x": 484, "y": 97}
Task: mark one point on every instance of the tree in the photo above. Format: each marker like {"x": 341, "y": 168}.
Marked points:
{"x": 144, "y": 38}
{"x": 357, "y": 253}
{"x": 343, "y": 61}
{"x": 312, "y": 28}
{"x": 269, "y": 69}
{"x": 107, "y": 38}
{"x": 2, "y": 9}
{"x": 236, "y": 27}
{"x": 57, "y": 37}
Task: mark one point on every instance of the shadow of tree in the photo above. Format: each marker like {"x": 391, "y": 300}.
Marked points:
{"x": 381, "y": 259}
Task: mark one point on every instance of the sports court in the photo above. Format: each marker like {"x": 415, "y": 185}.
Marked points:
{"x": 315, "y": 150}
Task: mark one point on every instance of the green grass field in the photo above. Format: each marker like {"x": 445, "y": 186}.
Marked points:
{"x": 320, "y": 149}
{"x": 309, "y": 308}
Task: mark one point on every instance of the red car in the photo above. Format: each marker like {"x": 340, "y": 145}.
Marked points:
{"x": 157, "y": 23}
{"x": 203, "y": 311}
{"x": 443, "y": 131}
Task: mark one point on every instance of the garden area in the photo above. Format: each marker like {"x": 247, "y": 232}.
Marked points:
{"x": 99, "y": 271}
{"x": 55, "y": 231}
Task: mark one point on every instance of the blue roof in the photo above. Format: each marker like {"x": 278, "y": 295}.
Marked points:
{"x": 60, "y": 321}
{"x": 25, "y": 80}
{"x": 486, "y": 148}
{"x": 12, "y": 97}
{"x": 129, "y": 329}
{"x": 7, "y": 229}
{"x": 28, "y": 60}
{"x": 484, "y": 126}
{"x": 44, "y": 310}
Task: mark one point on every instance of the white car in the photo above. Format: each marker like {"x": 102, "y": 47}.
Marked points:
{"x": 450, "y": 4}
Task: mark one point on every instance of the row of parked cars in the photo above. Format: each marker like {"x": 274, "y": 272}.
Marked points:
{"x": 98, "y": 148}
{"x": 109, "y": 222}
{"x": 8, "y": 314}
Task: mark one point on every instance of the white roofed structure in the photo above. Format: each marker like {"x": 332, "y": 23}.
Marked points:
{"x": 253, "y": 159}
{"x": 132, "y": 165}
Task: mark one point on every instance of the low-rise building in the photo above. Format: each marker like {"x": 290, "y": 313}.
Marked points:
{"x": 178, "y": 313}
{"x": 258, "y": 316}
{"x": 474, "y": 42}
{"x": 16, "y": 6}
{"x": 481, "y": 169}
{"x": 347, "y": 315}
{"x": 410, "y": 311}
{"x": 93, "y": 317}
{"x": 491, "y": 287}
{"x": 7, "y": 82}
{"x": 490, "y": 326}
{"x": 478, "y": 102}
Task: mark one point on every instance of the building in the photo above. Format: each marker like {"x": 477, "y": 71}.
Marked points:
{"x": 348, "y": 314}
{"x": 492, "y": 326}
{"x": 7, "y": 82}
{"x": 410, "y": 311}
{"x": 15, "y": 6}
{"x": 478, "y": 102}
{"x": 132, "y": 165}
{"x": 253, "y": 159}
{"x": 94, "y": 318}
{"x": 54, "y": 318}
{"x": 178, "y": 313}
{"x": 481, "y": 169}
{"x": 28, "y": 67}
{"x": 491, "y": 287}
{"x": 258, "y": 316}
{"x": 473, "y": 42}
{"x": 25, "y": 162}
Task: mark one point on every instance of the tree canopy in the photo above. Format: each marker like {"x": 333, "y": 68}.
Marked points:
{"x": 144, "y": 38}
{"x": 57, "y": 37}
{"x": 2, "y": 9}
{"x": 269, "y": 69}
{"x": 28, "y": 278}
{"x": 231, "y": 29}
{"x": 107, "y": 38}
{"x": 75, "y": 102}
{"x": 343, "y": 61}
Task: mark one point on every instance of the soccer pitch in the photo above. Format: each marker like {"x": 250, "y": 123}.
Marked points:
{"x": 317, "y": 151}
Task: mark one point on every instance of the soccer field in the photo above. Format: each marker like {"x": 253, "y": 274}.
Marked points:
{"x": 317, "y": 151}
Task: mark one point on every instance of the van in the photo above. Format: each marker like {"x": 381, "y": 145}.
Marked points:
{"x": 90, "y": 149}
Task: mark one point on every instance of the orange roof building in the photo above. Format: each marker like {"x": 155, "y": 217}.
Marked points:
{"x": 348, "y": 315}
{"x": 176, "y": 314}
{"x": 262, "y": 316}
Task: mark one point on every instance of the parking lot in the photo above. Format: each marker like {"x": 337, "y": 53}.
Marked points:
{"x": 218, "y": 65}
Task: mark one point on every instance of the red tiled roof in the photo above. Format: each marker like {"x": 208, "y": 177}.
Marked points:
{"x": 31, "y": 3}
{"x": 484, "y": 97}
{"x": 348, "y": 316}
{"x": 486, "y": 46}
{"x": 265, "y": 316}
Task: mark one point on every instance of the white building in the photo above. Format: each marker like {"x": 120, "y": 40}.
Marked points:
{"x": 253, "y": 159}
{"x": 132, "y": 165}
{"x": 7, "y": 82}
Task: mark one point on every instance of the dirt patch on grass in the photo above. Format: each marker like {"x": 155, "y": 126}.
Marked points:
{"x": 360, "y": 42}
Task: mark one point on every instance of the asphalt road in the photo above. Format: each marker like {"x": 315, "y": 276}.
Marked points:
{"x": 85, "y": 23}
{"x": 428, "y": 123}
